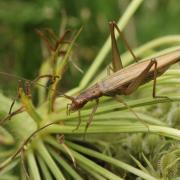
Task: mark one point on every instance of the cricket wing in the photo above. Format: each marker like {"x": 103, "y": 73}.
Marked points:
{"x": 129, "y": 73}
{"x": 121, "y": 77}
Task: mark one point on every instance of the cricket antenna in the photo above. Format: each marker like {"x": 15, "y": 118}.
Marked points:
{"x": 68, "y": 97}
{"x": 33, "y": 81}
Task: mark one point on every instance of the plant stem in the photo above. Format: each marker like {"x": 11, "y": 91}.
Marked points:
{"x": 111, "y": 160}
{"x": 114, "y": 128}
{"x": 46, "y": 173}
{"x": 43, "y": 152}
{"x": 34, "y": 172}
{"x": 85, "y": 161}
{"x": 114, "y": 106}
{"x": 66, "y": 166}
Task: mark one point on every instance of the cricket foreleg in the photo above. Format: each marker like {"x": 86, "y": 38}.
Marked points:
{"x": 69, "y": 104}
{"x": 79, "y": 122}
{"x": 91, "y": 117}
{"x": 68, "y": 109}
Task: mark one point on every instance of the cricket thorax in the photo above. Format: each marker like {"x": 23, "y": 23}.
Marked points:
{"x": 92, "y": 93}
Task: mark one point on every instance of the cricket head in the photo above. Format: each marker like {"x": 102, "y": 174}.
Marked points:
{"x": 77, "y": 104}
{"x": 79, "y": 101}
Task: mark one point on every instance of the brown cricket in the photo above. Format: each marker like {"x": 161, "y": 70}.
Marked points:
{"x": 124, "y": 81}
{"x": 127, "y": 80}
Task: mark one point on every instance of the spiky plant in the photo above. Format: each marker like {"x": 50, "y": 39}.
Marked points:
{"x": 117, "y": 145}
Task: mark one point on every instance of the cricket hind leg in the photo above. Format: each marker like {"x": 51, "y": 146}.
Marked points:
{"x": 109, "y": 69}
{"x": 154, "y": 84}
{"x": 130, "y": 109}
{"x": 138, "y": 81}
{"x": 116, "y": 60}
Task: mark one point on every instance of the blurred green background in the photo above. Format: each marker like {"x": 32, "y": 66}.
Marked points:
{"x": 21, "y": 49}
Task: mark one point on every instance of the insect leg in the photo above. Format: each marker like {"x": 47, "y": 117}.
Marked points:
{"x": 116, "y": 59}
{"x": 109, "y": 69}
{"x": 79, "y": 122}
{"x": 135, "y": 84}
{"x": 67, "y": 109}
{"x": 125, "y": 41}
{"x": 130, "y": 109}
{"x": 140, "y": 79}
{"x": 91, "y": 117}
{"x": 154, "y": 83}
